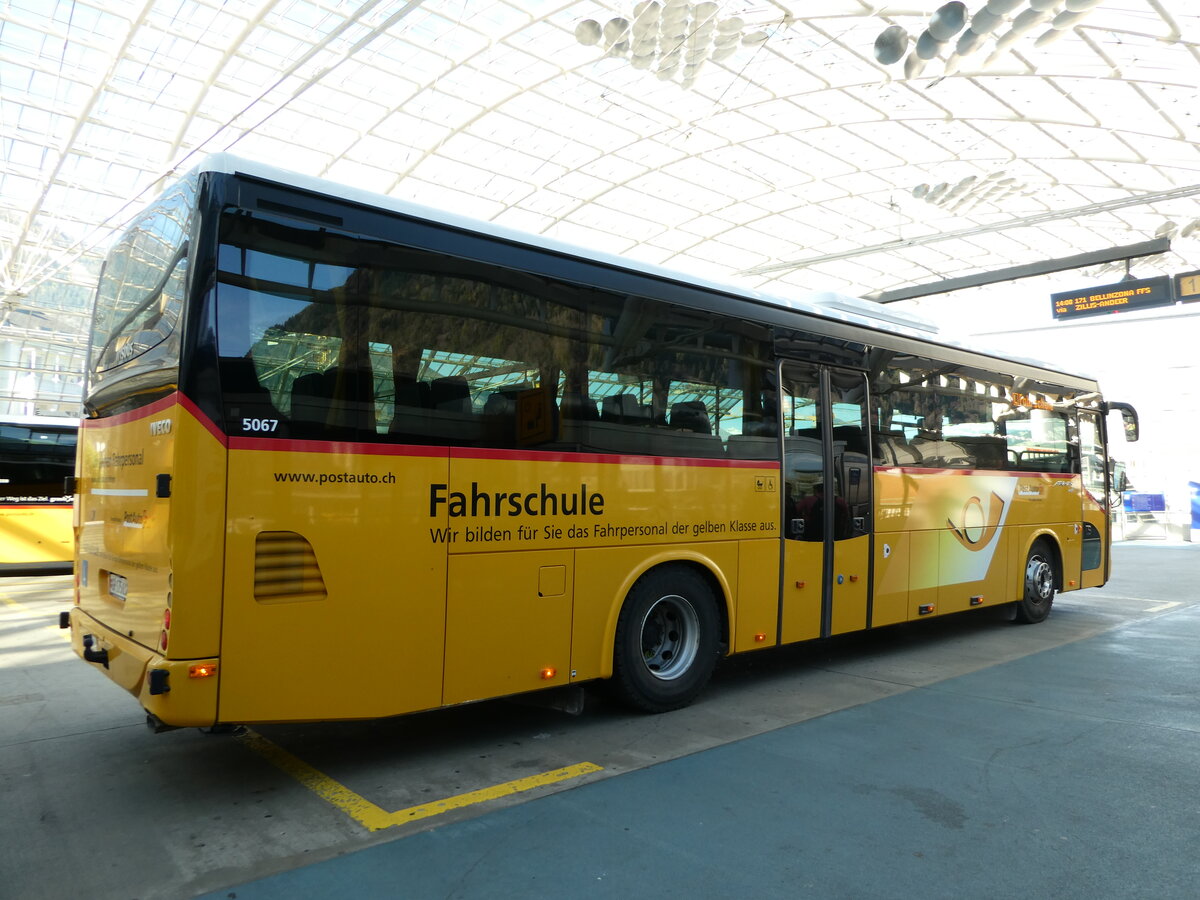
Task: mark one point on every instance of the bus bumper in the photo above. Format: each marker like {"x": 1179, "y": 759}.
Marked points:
{"x": 175, "y": 692}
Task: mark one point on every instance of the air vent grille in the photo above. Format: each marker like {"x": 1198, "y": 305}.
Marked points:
{"x": 285, "y": 569}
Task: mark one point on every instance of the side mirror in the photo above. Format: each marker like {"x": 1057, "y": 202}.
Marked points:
{"x": 1119, "y": 481}
{"x": 1129, "y": 418}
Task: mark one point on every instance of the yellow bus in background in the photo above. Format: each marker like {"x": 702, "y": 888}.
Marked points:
{"x": 37, "y": 455}
{"x": 349, "y": 458}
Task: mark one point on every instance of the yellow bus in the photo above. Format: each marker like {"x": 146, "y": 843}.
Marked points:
{"x": 349, "y": 458}
{"x": 37, "y": 455}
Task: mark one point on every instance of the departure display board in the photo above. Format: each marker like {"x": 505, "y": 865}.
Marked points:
{"x": 1123, "y": 296}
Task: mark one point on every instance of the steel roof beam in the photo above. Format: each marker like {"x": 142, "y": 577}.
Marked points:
{"x": 1029, "y": 270}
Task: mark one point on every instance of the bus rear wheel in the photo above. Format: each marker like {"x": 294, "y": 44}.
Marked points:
{"x": 1038, "y": 596}
{"x": 667, "y": 640}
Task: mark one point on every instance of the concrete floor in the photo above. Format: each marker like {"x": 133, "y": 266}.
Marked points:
{"x": 955, "y": 757}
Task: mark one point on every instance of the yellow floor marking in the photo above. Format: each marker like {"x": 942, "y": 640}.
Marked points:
{"x": 373, "y": 817}
{"x": 1167, "y": 605}
{"x": 1162, "y": 604}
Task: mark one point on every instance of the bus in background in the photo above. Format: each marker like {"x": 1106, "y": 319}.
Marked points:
{"x": 37, "y": 455}
{"x": 349, "y": 458}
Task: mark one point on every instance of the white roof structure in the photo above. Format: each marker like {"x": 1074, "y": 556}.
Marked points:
{"x": 787, "y": 145}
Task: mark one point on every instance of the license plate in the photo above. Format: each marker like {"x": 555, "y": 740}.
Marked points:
{"x": 118, "y": 585}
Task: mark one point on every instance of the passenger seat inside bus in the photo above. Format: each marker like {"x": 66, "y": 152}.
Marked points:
{"x": 245, "y": 397}
{"x": 580, "y": 407}
{"x": 691, "y": 415}
{"x": 335, "y": 404}
{"x": 758, "y": 425}
{"x": 688, "y": 432}
{"x": 500, "y": 411}
{"x": 503, "y": 401}
{"x": 409, "y": 391}
{"x": 894, "y": 450}
{"x": 450, "y": 394}
{"x": 986, "y": 451}
{"x": 624, "y": 409}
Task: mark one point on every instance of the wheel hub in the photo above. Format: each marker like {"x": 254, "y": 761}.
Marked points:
{"x": 1039, "y": 579}
{"x": 670, "y": 637}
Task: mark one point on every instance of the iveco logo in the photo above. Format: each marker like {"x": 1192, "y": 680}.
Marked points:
{"x": 162, "y": 426}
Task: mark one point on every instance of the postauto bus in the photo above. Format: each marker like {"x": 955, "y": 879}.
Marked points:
{"x": 346, "y": 458}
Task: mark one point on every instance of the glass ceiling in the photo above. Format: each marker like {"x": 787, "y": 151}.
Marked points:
{"x": 860, "y": 149}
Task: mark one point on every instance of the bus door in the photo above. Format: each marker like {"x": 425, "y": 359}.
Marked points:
{"x": 1095, "y": 499}
{"x": 827, "y": 502}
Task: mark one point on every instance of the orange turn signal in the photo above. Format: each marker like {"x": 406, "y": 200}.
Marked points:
{"x": 204, "y": 670}
{"x": 548, "y": 673}
{"x": 760, "y": 637}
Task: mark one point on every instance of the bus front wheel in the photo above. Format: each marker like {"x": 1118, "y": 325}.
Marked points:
{"x": 1038, "y": 596}
{"x": 667, "y": 640}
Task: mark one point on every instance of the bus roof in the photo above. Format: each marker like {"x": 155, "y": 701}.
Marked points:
{"x": 828, "y": 305}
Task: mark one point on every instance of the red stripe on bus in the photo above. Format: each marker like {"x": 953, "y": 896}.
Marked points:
{"x": 159, "y": 406}
{"x": 610, "y": 458}
{"x": 365, "y": 449}
{"x": 355, "y": 448}
{"x": 343, "y": 448}
{"x": 347, "y": 448}
{"x": 199, "y": 415}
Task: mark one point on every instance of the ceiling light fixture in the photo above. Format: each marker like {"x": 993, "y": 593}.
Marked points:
{"x": 673, "y": 39}
{"x": 970, "y": 191}
{"x": 987, "y": 23}
{"x": 1172, "y": 230}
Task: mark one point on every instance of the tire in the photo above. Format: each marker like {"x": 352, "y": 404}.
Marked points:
{"x": 1038, "y": 596}
{"x": 667, "y": 640}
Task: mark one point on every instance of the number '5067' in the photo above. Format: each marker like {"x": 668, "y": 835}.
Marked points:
{"x": 259, "y": 424}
